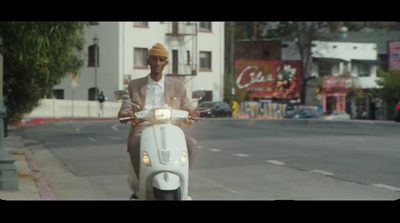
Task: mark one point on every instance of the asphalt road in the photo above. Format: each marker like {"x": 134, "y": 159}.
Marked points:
{"x": 238, "y": 159}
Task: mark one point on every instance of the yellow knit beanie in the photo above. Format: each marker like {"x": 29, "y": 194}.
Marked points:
{"x": 158, "y": 50}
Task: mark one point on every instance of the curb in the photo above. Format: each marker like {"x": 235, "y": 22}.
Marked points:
{"x": 45, "y": 192}
{"x": 38, "y": 121}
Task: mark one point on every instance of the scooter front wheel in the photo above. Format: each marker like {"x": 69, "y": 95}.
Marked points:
{"x": 166, "y": 195}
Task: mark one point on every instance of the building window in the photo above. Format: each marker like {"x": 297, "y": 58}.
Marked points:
{"x": 188, "y": 57}
{"x": 363, "y": 70}
{"x": 175, "y": 28}
{"x": 205, "y": 60}
{"x": 141, "y": 24}
{"x": 58, "y": 93}
{"x": 140, "y": 57}
{"x": 94, "y": 54}
{"x": 205, "y": 26}
{"x": 91, "y": 94}
{"x": 324, "y": 69}
{"x": 175, "y": 61}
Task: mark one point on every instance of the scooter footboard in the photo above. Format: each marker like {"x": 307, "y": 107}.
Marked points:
{"x": 166, "y": 181}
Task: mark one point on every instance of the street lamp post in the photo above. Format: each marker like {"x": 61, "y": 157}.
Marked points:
{"x": 96, "y": 42}
{"x": 232, "y": 76}
{"x": 8, "y": 171}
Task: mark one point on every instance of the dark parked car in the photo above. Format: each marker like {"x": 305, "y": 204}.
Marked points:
{"x": 214, "y": 109}
{"x": 302, "y": 113}
{"x": 397, "y": 112}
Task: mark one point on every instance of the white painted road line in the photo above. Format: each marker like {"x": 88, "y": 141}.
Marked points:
{"x": 275, "y": 162}
{"x": 241, "y": 155}
{"x": 325, "y": 173}
{"x": 352, "y": 139}
{"x": 114, "y": 127}
{"x": 387, "y": 187}
{"x": 91, "y": 139}
{"x": 214, "y": 150}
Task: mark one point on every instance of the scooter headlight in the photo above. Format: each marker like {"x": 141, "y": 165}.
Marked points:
{"x": 162, "y": 114}
{"x": 146, "y": 159}
{"x": 183, "y": 158}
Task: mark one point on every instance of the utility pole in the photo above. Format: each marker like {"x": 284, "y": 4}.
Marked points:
{"x": 255, "y": 34}
{"x": 232, "y": 76}
{"x": 96, "y": 42}
{"x": 8, "y": 171}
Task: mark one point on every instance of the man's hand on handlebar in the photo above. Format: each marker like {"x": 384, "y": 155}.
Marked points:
{"x": 127, "y": 115}
{"x": 193, "y": 114}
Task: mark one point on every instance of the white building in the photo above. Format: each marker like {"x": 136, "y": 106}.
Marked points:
{"x": 336, "y": 58}
{"x": 196, "y": 55}
{"x": 333, "y": 59}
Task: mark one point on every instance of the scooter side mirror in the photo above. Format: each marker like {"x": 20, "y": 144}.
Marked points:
{"x": 121, "y": 94}
{"x": 124, "y": 96}
{"x": 197, "y": 95}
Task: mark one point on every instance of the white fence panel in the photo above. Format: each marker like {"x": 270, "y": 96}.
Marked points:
{"x": 56, "y": 108}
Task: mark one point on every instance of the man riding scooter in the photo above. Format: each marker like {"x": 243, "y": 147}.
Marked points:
{"x": 151, "y": 91}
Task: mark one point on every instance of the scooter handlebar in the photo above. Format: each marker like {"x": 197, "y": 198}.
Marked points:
{"x": 127, "y": 118}
{"x": 195, "y": 118}
{"x": 124, "y": 120}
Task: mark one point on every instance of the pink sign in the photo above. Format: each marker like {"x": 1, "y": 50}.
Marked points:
{"x": 394, "y": 55}
{"x": 335, "y": 84}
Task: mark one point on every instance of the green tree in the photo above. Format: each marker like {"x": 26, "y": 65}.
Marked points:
{"x": 37, "y": 56}
{"x": 390, "y": 83}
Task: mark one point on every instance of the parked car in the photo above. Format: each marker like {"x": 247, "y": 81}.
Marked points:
{"x": 290, "y": 108}
{"x": 302, "y": 113}
{"x": 214, "y": 109}
{"x": 336, "y": 115}
{"x": 397, "y": 112}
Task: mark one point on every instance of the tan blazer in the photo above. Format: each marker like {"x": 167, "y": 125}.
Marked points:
{"x": 175, "y": 95}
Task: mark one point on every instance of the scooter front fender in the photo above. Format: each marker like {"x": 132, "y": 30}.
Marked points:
{"x": 166, "y": 181}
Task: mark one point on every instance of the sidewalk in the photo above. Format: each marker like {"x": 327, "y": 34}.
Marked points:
{"x": 31, "y": 185}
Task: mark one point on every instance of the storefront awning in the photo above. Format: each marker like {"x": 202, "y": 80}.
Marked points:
{"x": 330, "y": 60}
{"x": 372, "y": 62}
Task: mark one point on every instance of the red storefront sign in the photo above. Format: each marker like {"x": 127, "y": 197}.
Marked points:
{"x": 269, "y": 79}
{"x": 394, "y": 55}
{"x": 335, "y": 84}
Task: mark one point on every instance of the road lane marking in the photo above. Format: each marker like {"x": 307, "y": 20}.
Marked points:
{"x": 232, "y": 191}
{"x": 92, "y": 139}
{"x": 387, "y": 187}
{"x": 275, "y": 162}
{"x": 241, "y": 154}
{"x": 214, "y": 150}
{"x": 325, "y": 173}
{"x": 114, "y": 127}
{"x": 200, "y": 147}
{"x": 353, "y": 139}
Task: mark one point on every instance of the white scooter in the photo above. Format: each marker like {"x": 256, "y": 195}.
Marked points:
{"x": 164, "y": 166}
